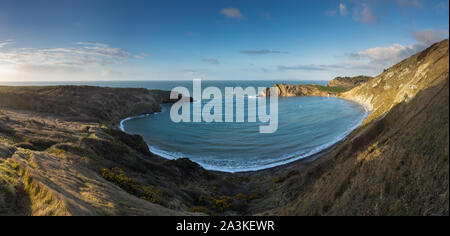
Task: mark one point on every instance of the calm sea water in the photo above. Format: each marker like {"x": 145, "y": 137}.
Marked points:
{"x": 306, "y": 126}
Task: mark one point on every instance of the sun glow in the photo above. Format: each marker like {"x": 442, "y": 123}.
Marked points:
{"x": 7, "y": 70}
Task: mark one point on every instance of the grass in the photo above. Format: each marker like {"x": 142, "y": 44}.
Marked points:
{"x": 331, "y": 89}
{"x": 44, "y": 202}
{"x": 11, "y": 200}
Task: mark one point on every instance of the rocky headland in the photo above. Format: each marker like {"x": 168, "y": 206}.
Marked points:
{"x": 349, "y": 82}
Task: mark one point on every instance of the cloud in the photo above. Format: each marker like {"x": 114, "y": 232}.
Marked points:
{"x": 84, "y": 54}
{"x": 48, "y": 69}
{"x": 213, "y": 61}
{"x": 232, "y": 13}
{"x": 5, "y": 43}
{"x": 431, "y": 36}
{"x": 110, "y": 73}
{"x": 388, "y": 55}
{"x": 81, "y": 60}
{"x": 409, "y": 3}
{"x": 367, "y": 14}
{"x": 364, "y": 13}
{"x": 189, "y": 72}
{"x": 372, "y": 61}
{"x": 343, "y": 67}
{"x": 303, "y": 67}
{"x": 142, "y": 55}
{"x": 442, "y": 6}
{"x": 342, "y": 9}
{"x": 261, "y": 52}
{"x": 330, "y": 13}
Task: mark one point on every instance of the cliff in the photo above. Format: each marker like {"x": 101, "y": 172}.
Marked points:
{"x": 83, "y": 103}
{"x": 334, "y": 87}
{"x": 349, "y": 82}
{"x": 285, "y": 90}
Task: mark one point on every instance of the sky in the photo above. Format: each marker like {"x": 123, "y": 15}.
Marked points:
{"x": 79, "y": 40}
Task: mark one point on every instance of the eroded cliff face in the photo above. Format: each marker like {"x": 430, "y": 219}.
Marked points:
{"x": 286, "y": 90}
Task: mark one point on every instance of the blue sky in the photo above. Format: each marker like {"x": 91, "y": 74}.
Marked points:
{"x": 178, "y": 40}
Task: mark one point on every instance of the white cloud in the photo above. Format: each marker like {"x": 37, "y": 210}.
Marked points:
{"x": 4, "y": 43}
{"x": 390, "y": 55}
{"x": 342, "y": 9}
{"x": 261, "y": 52}
{"x": 70, "y": 62}
{"x": 232, "y": 13}
{"x": 84, "y": 54}
{"x": 431, "y": 36}
{"x": 142, "y": 55}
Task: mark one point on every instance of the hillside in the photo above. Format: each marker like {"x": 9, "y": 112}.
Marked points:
{"x": 83, "y": 103}
{"x": 61, "y": 153}
{"x": 397, "y": 162}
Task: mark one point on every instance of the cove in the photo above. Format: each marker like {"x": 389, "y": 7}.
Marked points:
{"x": 306, "y": 126}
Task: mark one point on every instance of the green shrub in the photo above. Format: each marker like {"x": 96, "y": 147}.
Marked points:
{"x": 201, "y": 209}
{"x": 254, "y": 195}
{"x": 241, "y": 196}
{"x": 148, "y": 193}
{"x": 281, "y": 179}
{"x": 331, "y": 89}
{"x": 224, "y": 202}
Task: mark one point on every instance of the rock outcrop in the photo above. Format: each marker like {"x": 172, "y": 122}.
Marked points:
{"x": 349, "y": 82}
{"x": 285, "y": 90}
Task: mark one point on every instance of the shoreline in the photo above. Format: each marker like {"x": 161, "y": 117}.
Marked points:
{"x": 310, "y": 156}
